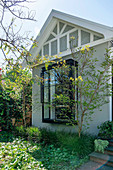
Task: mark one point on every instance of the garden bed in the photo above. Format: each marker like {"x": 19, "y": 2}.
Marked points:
{"x": 17, "y": 153}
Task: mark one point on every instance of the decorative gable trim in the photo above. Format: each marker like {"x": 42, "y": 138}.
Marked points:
{"x": 56, "y": 17}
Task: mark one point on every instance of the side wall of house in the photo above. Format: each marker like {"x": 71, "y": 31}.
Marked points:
{"x": 98, "y": 117}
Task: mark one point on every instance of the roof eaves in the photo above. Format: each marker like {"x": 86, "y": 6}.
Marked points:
{"x": 57, "y": 13}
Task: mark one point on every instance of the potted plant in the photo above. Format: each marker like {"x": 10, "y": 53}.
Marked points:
{"x": 100, "y": 145}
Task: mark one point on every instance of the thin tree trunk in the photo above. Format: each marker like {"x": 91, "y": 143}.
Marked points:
{"x": 23, "y": 107}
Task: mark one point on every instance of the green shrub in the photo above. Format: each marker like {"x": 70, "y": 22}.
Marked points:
{"x": 21, "y": 131}
{"x": 6, "y": 136}
{"x": 82, "y": 146}
{"x": 33, "y": 134}
{"x": 48, "y": 137}
{"x": 100, "y": 145}
{"x": 106, "y": 130}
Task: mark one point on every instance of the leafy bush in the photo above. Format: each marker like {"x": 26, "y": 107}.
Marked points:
{"x": 9, "y": 108}
{"x": 81, "y": 146}
{"x": 58, "y": 158}
{"x": 20, "y": 131}
{"x": 15, "y": 155}
{"x": 6, "y": 136}
{"x": 106, "y": 130}
{"x": 100, "y": 145}
{"x": 21, "y": 154}
{"x": 33, "y": 134}
{"x": 48, "y": 137}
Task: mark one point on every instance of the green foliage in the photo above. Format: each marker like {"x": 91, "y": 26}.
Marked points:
{"x": 15, "y": 95}
{"x": 81, "y": 146}
{"x": 6, "y": 136}
{"x": 58, "y": 158}
{"x": 49, "y": 137}
{"x": 9, "y": 109}
{"x": 20, "y": 131}
{"x": 15, "y": 155}
{"x": 33, "y": 134}
{"x": 106, "y": 130}
{"x": 20, "y": 154}
{"x": 100, "y": 145}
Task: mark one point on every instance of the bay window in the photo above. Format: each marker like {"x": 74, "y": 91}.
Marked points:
{"x": 58, "y": 92}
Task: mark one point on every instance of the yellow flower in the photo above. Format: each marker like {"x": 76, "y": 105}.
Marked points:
{"x": 71, "y": 78}
{"x": 76, "y": 79}
{"x": 72, "y": 38}
{"x": 87, "y": 47}
{"x": 64, "y": 61}
{"x": 80, "y": 78}
{"x": 83, "y": 49}
{"x": 58, "y": 97}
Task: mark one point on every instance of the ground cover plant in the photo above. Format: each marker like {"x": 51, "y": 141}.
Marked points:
{"x": 16, "y": 152}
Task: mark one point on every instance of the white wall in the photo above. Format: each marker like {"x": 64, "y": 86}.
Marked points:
{"x": 98, "y": 117}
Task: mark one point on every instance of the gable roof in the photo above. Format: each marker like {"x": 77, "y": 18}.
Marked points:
{"x": 100, "y": 28}
{"x": 96, "y": 27}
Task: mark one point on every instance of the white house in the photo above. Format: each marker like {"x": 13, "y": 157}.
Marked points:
{"x": 54, "y": 40}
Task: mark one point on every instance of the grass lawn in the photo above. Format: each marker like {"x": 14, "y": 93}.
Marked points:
{"x": 17, "y": 153}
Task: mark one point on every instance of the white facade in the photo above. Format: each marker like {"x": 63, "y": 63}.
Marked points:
{"x": 54, "y": 40}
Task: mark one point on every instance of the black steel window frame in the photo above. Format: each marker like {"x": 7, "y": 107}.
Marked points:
{"x": 69, "y": 62}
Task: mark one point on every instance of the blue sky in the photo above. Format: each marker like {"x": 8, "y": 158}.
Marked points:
{"x": 100, "y": 11}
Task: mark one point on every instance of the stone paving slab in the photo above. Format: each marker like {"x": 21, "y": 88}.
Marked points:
{"x": 90, "y": 165}
{"x": 105, "y": 168}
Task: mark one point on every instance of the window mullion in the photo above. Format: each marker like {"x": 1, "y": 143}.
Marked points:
{"x": 68, "y": 40}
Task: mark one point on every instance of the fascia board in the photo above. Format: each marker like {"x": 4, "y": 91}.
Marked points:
{"x": 79, "y": 20}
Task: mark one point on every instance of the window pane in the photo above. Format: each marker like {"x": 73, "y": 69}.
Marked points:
{"x": 50, "y": 37}
{"x": 63, "y": 43}
{"x": 74, "y": 39}
{"x": 46, "y": 49}
{"x": 52, "y": 77}
{"x": 52, "y": 85}
{"x": 55, "y": 29}
{"x": 61, "y": 26}
{"x": 85, "y": 37}
{"x": 46, "y": 111}
{"x": 96, "y": 37}
{"x": 46, "y": 77}
{"x": 68, "y": 28}
{"x": 52, "y": 112}
{"x": 46, "y": 94}
{"x": 54, "y": 47}
{"x": 62, "y": 74}
{"x": 46, "y": 87}
{"x": 52, "y": 92}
